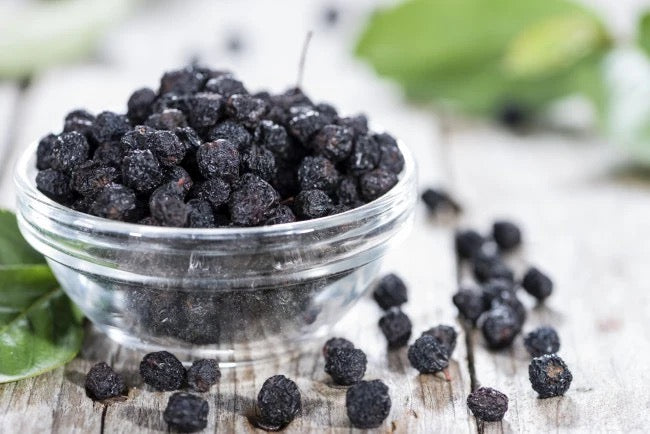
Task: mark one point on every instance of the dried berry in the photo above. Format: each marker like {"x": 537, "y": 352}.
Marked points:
{"x": 200, "y": 214}
{"x": 215, "y": 190}
{"x": 246, "y": 110}
{"x": 318, "y": 173}
{"x": 376, "y": 183}
{"x": 470, "y": 304}
{"x": 282, "y": 214}
{"x": 537, "y": 284}
{"x": 205, "y": 109}
{"x": 114, "y": 202}
{"x": 203, "y": 374}
{"x": 368, "y": 404}
{"x": 182, "y": 81}
{"x": 69, "y": 151}
{"x": 273, "y": 137}
{"x": 358, "y": 124}
{"x": 136, "y": 139}
{"x": 109, "y": 153}
{"x": 44, "y": 152}
{"x": 225, "y": 85}
{"x": 436, "y": 200}
{"x": 186, "y": 412}
{"x": 336, "y": 343}
{"x": 311, "y": 204}
{"x": 162, "y": 371}
{"x": 167, "y": 206}
{"x": 390, "y": 292}
{"x": 396, "y": 326}
{"x": 231, "y": 131}
{"x": 334, "y": 142}
{"x": 188, "y": 137}
{"x": 141, "y": 171}
{"x": 506, "y": 234}
{"x": 347, "y": 192}
{"x": 109, "y": 126}
{"x": 168, "y": 119}
{"x": 305, "y": 123}
{"x": 500, "y": 325}
{"x": 55, "y": 185}
{"x": 278, "y": 401}
{"x": 219, "y": 159}
{"x": 428, "y": 355}
{"x": 259, "y": 161}
{"x": 468, "y": 243}
{"x": 365, "y": 155}
{"x": 103, "y": 383}
{"x": 549, "y": 376}
{"x": 80, "y": 121}
{"x": 391, "y": 158}
{"x": 487, "y": 267}
{"x": 167, "y": 147}
{"x": 253, "y": 201}
{"x": 502, "y": 292}
{"x": 445, "y": 335}
{"x": 139, "y": 105}
{"x": 91, "y": 177}
{"x": 179, "y": 176}
{"x": 346, "y": 366}
{"x": 487, "y": 404}
{"x": 542, "y": 340}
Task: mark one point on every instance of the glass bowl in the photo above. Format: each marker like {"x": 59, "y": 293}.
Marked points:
{"x": 236, "y": 294}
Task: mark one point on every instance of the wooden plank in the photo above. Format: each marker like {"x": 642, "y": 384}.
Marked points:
{"x": 583, "y": 225}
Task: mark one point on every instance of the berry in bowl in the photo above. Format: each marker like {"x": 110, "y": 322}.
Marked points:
{"x": 212, "y": 221}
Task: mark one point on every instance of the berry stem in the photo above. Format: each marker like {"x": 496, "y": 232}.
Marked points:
{"x": 303, "y": 58}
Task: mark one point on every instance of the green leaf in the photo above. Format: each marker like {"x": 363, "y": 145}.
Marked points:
{"x": 643, "y": 36}
{"x": 13, "y": 247}
{"x": 467, "y": 52}
{"x": 20, "y": 286}
{"x": 44, "y": 336}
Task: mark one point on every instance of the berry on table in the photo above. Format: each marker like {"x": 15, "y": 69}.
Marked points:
{"x": 488, "y": 404}
{"x": 162, "y": 371}
{"x": 506, "y": 234}
{"x": 336, "y": 343}
{"x": 542, "y": 340}
{"x": 396, "y": 327}
{"x": 436, "y": 200}
{"x": 470, "y": 303}
{"x": 203, "y": 374}
{"x": 549, "y": 376}
{"x": 346, "y": 366}
{"x": 278, "y": 402}
{"x": 500, "y": 325}
{"x": 537, "y": 284}
{"x": 103, "y": 383}
{"x": 186, "y": 412}
{"x": 368, "y": 404}
{"x": 468, "y": 243}
{"x": 444, "y": 334}
{"x": 487, "y": 267}
{"x": 428, "y": 355}
{"x": 390, "y": 292}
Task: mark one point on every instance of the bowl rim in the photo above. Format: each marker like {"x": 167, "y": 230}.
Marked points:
{"x": 55, "y": 211}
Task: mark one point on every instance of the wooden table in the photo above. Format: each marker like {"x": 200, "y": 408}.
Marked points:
{"x": 586, "y": 220}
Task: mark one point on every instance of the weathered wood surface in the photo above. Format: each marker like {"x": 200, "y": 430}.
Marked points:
{"x": 585, "y": 224}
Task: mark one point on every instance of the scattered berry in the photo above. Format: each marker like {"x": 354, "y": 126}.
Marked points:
{"x": 186, "y": 412}
{"x": 487, "y": 267}
{"x": 104, "y": 383}
{"x": 428, "y": 355}
{"x": 162, "y": 371}
{"x": 468, "y": 243}
{"x": 390, "y": 292}
{"x": 500, "y": 325}
{"x": 396, "y": 326}
{"x": 278, "y": 401}
{"x": 506, "y": 234}
{"x": 203, "y": 374}
{"x": 445, "y": 335}
{"x": 542, "y": 340}
{"x": 436, "y": 200}
{"x": 470, "y": 304}
{"x": 336, "y": 343}
{"x": 368, "y": 404}
{"x": 537, "y": 284}
{"x": 346, "y": 366}
{"x": 549, "y": 376}
{"x": 488, "y": 404}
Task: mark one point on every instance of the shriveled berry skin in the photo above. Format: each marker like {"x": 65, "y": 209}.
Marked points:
{"x": 311, "y": 204}
{"x": 141, "y": 171}
{"x": 136, "y": 139}
{"x": 358, "y": 124}
{"x": 537, "y": 284}
{"x": 91, "y": 177}
{"x": 167, "y": 147}
{"x": 69, "y": 151}
{"x": 336, "y": 343}
{"x": 189, "y": 138}
{"x": 549, "y": 376}
{"x": 168, "y": 207}
{"x": 55, "y": 185}
{"x": 346, "y": 366}
{"x": 468, "y": 243}
{"x": 278, "y": 401}
{"x": 109, "y": 126}
{"x": 80, "y": 121}
{"x": 390, "y": 292}
{"x": 225, "y": 85}
{"x": 203, "y": 374}
{"x": 273, "y": 137}
{"x": 305, "y": 124}
{"x": 182, "y": 81}
{"x": 542, "y": 340}
{"x": 114, "y": 202}
{"x": 246, "y": 109}
{"x": 365, "y": 155}
{"x": 470, "y": 304}
{"x": 139, "y": 105}
{"x": 486, "y": 267}
{"x": 347, "y": 192}
{"x": 428, "y": 355}
{"x": 103, "y": 383}
{"x": 162, "y": 371}
{"x": 168, "y": 119}
{"x": 500, "y": 325}
{"x": 488, "y": 404}
{"x": 215, "y": 190}
{"x": 437, "y": 199}
{"x": 391, "y": 158}
{"x": 282, "y": 214}
{"x": 219, "y": 159}
{"x": 445, "y": 335}
{"x": 205, "y": 109}
{"x": 368, "y": 404}
{"x": 334, "y": 142}
{"x": 200, "y": 214}
{"x": 506, "y": 234}
{"x": 318, "y": 173}
{"x": 179, "y": 176}
{"x": 231, "y": 131}
{"x": 186, "y": 412}
{"x": 259, "y": 161}
{"x": 252, "y": 202}
{"x": 109, "y": 153}
{"x": 376, "y": 183}
{"x": 506, "y": 297}
{"x": 44, "y": 152}
{"x": 396, "y": 327}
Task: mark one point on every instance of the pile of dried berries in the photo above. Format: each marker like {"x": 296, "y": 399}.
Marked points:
{"x": 204, "y": 152}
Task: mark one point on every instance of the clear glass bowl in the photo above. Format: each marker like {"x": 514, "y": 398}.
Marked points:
{"x": 237, "y": 294}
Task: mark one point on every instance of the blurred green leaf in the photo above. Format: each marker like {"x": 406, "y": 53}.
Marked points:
{"x": 13, "y": 247}
{"x": 643, "y": 36}
{"x": 468, "y": 52}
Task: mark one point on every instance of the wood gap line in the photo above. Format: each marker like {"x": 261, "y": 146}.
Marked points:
{"x": 103, "y": 421}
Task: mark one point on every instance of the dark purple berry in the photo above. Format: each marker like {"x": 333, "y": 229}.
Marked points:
{"x": 487, "y": 267}
{"x": 358, "y": 124}
{"x": 55, "y": 185}
{"x": 278, "y": 401}
{"x": 282, "y": 214}
{"x": 347, "y": 192}
{"x": 542, "y": 340}
{"x": 245, "y": 109}
{"x": 44, "y": 152}
{"x": 168, "y": 119}
{"x": 396, "y": 327}
{"x": 109, "y": 126}
{"x": 318, "y": 173}
{"x": 205, "y": 109}
{"x": 391, "y": 158}
{"x": 445, "y": 335}
{"x": 219, "y": 159}
{"x": 188, "y": 137}
{"x": 92, "y": 176}
{"x": 167, "y": 206}
{"x": 69, "y": 151}
{"x": 252, "y": 202}
{"x": 436, "y": 200}
{"x": 141, "y": 171}
{"x": 468, "y": 243}
{"x": 537, "y": 284}
{"x": 182, "y": 81}
{"x": 200, "y": 214}
{"x": 506, "y": 234}
{"x": 273, "y": 137}
{"x": 487, "y": 404}
{"x": 305, "y": 123}
{"x": 114, "y": 202}
{"x": 334, "y": 142}
{"x": 136, "y": 139}
{"x": 259, "y": 161}
{"x": 225, "y": 85}
{"x": 186, "y": 412}
{"x": 336, "y": 343}
{"x": 470, "y": 304}
{"x": 139, "y": 106}
{"x": 179, "y": 176}
{"x": 390, "y": 292}
{"x": 346, "y": 366}
{"x": 500, "y": 325}
{"x": 215, "y": 190}
{"x": 203, "y": 374}
{"x": 376, "y": 183}
{"x": 231, "y": 131}
{"x": 167, "y": 147}
{"x": 428, "y": 355}
{"x": 549, "y": 376}
{"x": 368, "y": 404}
{"x": 80, "y": 121}
{"x": 103, "y": 383}
{"x": 109, "y": 153}
{"x": 162, "y": 371}
{"x": 311, "y": 204}
{"x": 365, "y": 155}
